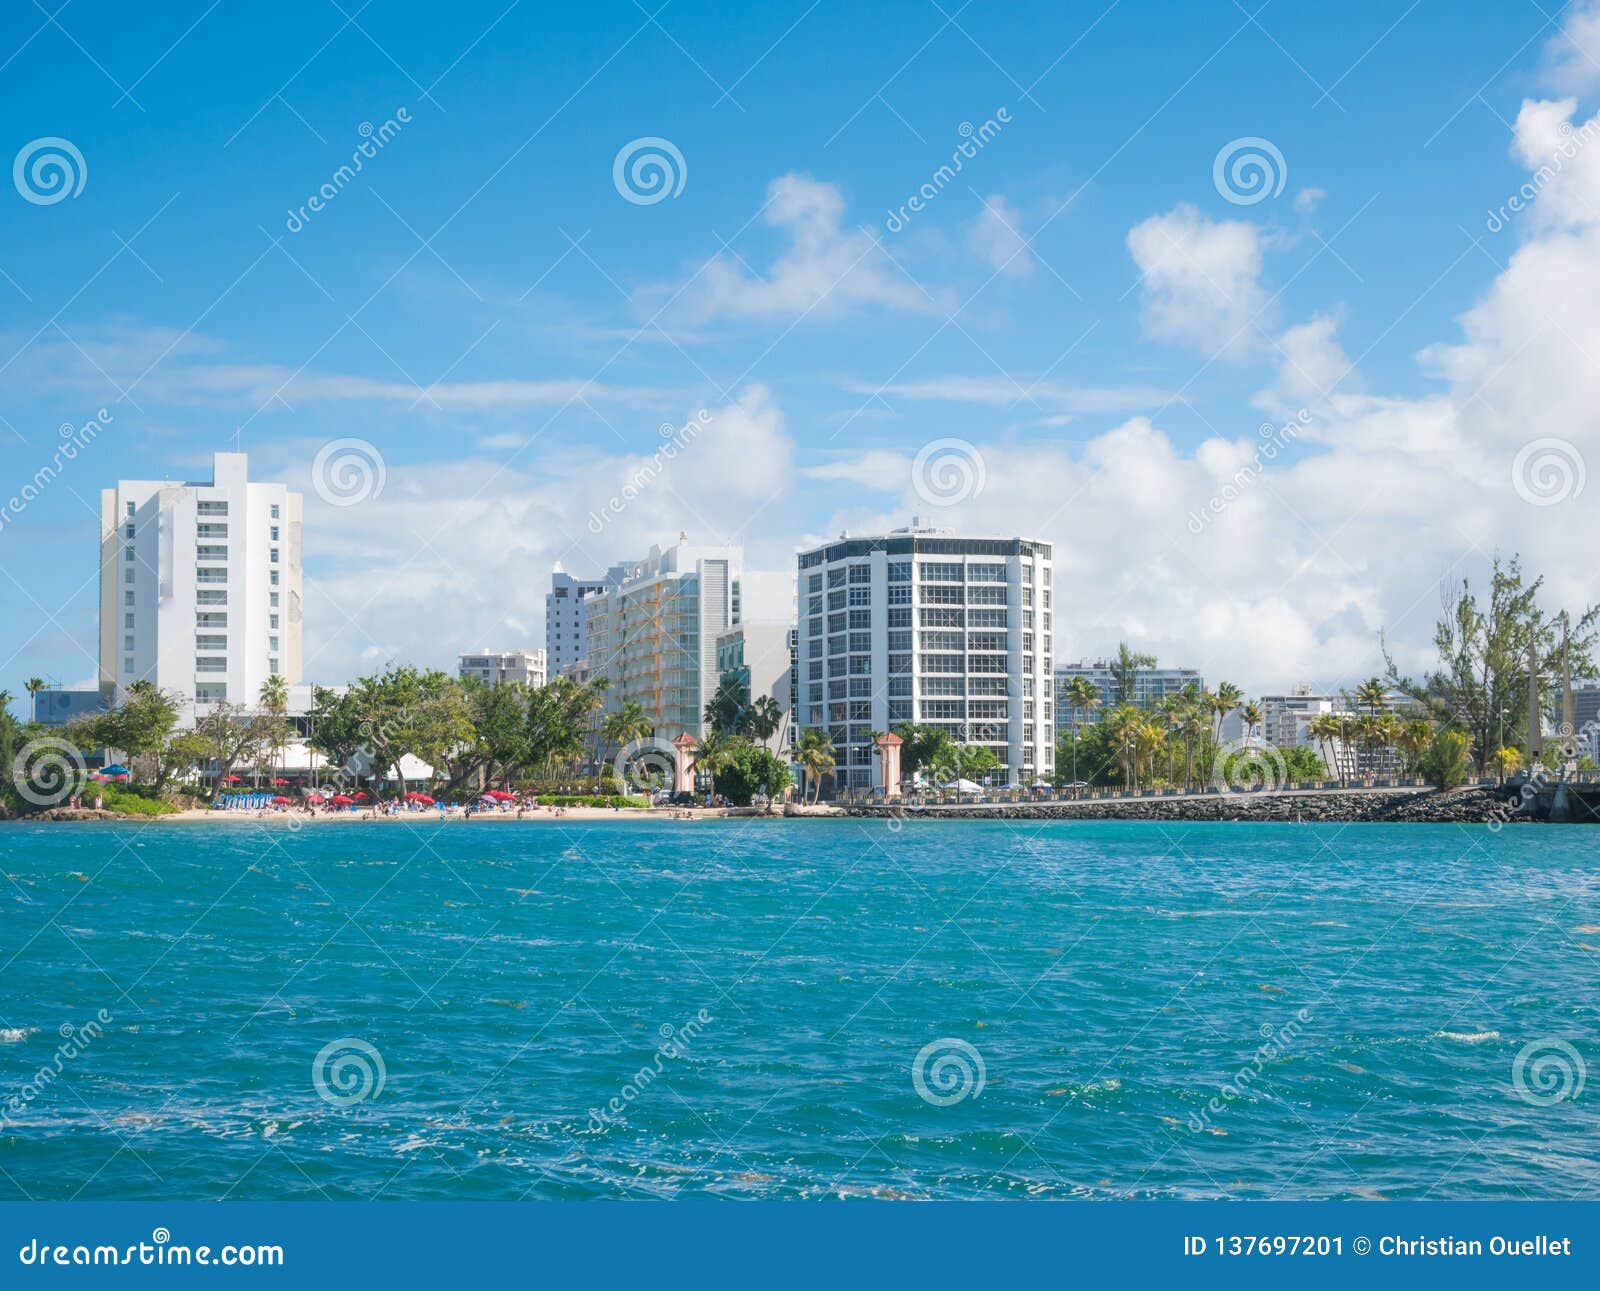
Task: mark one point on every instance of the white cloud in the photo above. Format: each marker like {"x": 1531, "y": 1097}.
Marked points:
{"x": 1006, "y": 389}
{"x": 1572, "y": 58}
{"x": 826, "y": 270}
{"x": 1312, "y": 364}
{"x": 167, "y": 366}
{"x": 880, "y": 470}
{"x": 455, "y": 554}
{"x": 1344, "y": 528}
{"x": 996, "y": 238}
{"x": 1308, "y": 199}
{"x": 1199, "y": 280}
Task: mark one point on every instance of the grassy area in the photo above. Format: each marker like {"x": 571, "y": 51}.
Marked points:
{"x": 128, "y": 802}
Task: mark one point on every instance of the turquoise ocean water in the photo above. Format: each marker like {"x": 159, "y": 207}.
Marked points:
{"x": 786, "y": 1009}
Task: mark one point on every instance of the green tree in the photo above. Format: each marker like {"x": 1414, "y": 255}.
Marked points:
{"x": 814, "y": 751}
{"x": 1125, "y": 674}
{"x": 1446, "y": 763}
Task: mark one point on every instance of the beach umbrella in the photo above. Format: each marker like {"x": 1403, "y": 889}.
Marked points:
{"x": 341, "y": 800}
{"x": 361, "y": 795}
{"x": 230, "y": 779}
{"x": 280, "y": 801}
{"x": 116, "y": 768}
{"x": 420, "y": 797}
{"x": 499, "y": 795}
{"x": 314, "y": 797}
{"x": 280, "y": 782}
{"x": 962, "y": 786}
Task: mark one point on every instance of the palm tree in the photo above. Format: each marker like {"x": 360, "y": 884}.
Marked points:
{"x": 714, "y": 753}
{"x": 5, "y": 700}
{"x": 627, "y": 724}
{"x": 274, "y": 698}
{"x": 1325, "y": 729}
{"x": 33, "y": 686}
{"x": 1507, "y": 762}
{"x": 1124, "y": 673}
{"x": 1224, "y": 702}
{"x": 1252, "y": 717}
{"x": 1083, "y": 699}
{"x": 1126, "y": 733}
{"x": 764, "y": 718}
{"x": 814, "y": 752}
{"x": 1413, "y": 741}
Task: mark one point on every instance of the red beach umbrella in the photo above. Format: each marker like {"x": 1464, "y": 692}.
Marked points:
{"x": 420, "y": 797}
{"x": 341, "y": 800}
{"x": 280, "y": 801}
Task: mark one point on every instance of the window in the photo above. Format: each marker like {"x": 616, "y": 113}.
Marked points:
{"x": 860, "y": 573}
{"x": 814, "y": 605}
{"x": 941, "y": 618}
{"x": 836, "y": 577}
{"x": 948, "y": 710}
{"x": 211, "y": 553}
{"x": 900, "y": 571}
{"x": 860, "y": 619}
{"x": 274, "y": 556}
{"x": 274, "y": 536}
{"x": 272, "y": 644}
{"x": 986, "y": 641}
{"x": 860, "y": 687}
{"x": 274, "y": 582}
{"x": 210, "y": 665}
{"x": 210, "y": 574}
{"x": 272, "y": 600}
{"x": 986, "y": 618}
{"x": 211, "y": 598}
{"x": 127, "y": 553}
{"x": 275, "y": 516}
{"x": 127, "y": 665}
{"x": 836, "y": 600}
{"x": 272, "y": 667}
{"x": 127, "y": 576}
{"x": 127, "y": 643}
{"x": 900, "y": 595}
{"x": 943, "y": 686}
{"x": 128, "y": 533}
{"x": 210, "y": 643}
{"x": 942, "y": 663}
{"x": 814, "y": 583}
{"x": 206, "y": 508}
{"x": 940, "y": 572}
{"x": 211, "y": 531}
{"x": 944, "y": 595}
{"x": 987, "y": 596}
{"x": 986, "y": 663}
{"x": 941, "y": 640}
{"x": 986, "y": 573}
{"x": 860, "y": 642}
{"x": 127, "y": 620}
{"x": 127, "y": 597}
{"x": 203, "y": 619}
{"x": 861, "y": 596}
{"x": 272, "y": 621}
{"x": 211, "y": 693}
{"x": 130, "y": 508}
{"x": 899, "y": 640}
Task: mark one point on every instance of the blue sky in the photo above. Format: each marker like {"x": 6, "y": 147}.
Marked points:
{"x": 1082, "y": 308}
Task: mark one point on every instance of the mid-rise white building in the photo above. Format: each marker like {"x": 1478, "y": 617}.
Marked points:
{"x": 939, "y": 629}
{"x": 494, "y": 666}
{"x": 759, "y": 659}
{"x": 200, "y": 585}
{"x": 1150, "y": 686}
{"x": 654, "y": 635}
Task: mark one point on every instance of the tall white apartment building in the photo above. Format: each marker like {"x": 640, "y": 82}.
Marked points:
{"x": 922, "y": 626}
{"x": 654, "y": 635}
{"x": 200, "y": 584}
{"x": 759, "y": 659}
{"x": 565, "y": 637}
{"x": 495, "y": 666}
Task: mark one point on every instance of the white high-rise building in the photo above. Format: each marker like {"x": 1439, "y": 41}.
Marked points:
{"x": 496, "y": 666}
{"x": 934, "y": 628}
{"x": 1150, "y": 686}
{"x": 200, "y": 585}
{"x": 565, "y": 638}
{"x": 654, "y": 635}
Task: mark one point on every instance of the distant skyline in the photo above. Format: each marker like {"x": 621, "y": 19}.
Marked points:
{"x": 1268, "y": 319}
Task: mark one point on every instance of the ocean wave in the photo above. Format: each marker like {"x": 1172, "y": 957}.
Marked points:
{"x": 1466, "y": 1037}
{"x": 13, "y": 1035}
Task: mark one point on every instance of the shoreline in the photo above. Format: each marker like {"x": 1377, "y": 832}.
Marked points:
{"x": 1476, "y": 805}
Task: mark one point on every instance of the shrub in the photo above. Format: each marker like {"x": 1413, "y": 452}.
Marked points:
{"x": 1445, "y": 762}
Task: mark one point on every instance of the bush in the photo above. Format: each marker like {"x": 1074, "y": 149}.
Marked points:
{"x": 1445, "y": 762}
{"x": 128, "y": 802}
{"x": 590, "y": 800}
